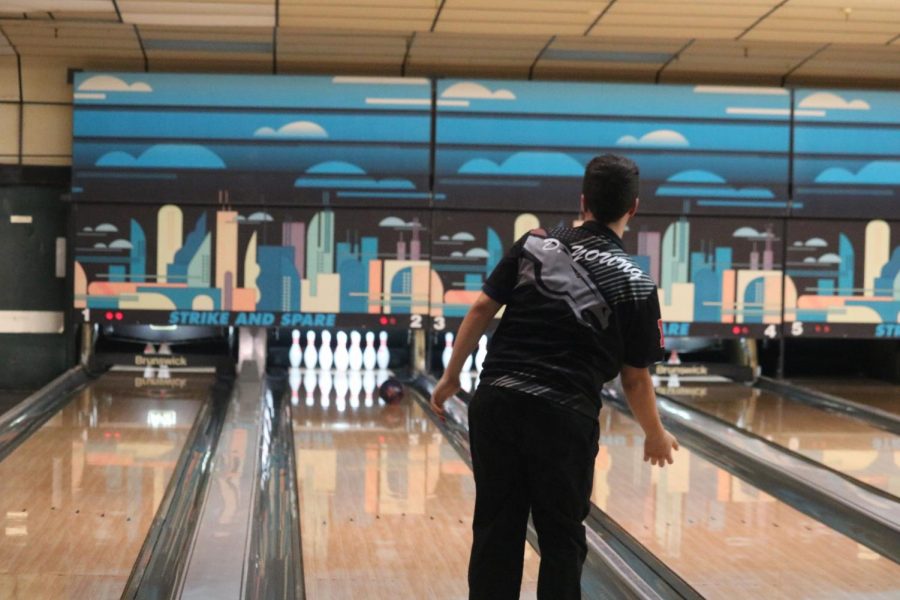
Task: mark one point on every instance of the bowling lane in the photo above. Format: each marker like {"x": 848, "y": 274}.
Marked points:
{"x": 725, "y": 537}
{"x": 78, "y": 496}
{"x": 871, "y": 392}
{"x": 385, "y": 502}
{"x": 843, "y": 443}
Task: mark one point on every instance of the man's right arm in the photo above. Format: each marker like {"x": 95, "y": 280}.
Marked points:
{"x": 641, "y": 396}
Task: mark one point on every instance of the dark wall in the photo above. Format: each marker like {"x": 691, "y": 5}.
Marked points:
{"x": 28, "y": 278}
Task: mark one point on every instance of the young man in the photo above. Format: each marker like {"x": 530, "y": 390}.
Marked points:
{"x": 578, "y": 313}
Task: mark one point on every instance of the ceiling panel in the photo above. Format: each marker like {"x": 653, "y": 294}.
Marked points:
{"x": 50, "y": 38}
{"x": 669, "y": 40}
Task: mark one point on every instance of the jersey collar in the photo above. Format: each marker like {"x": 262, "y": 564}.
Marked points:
{"x": 600, "y": 229}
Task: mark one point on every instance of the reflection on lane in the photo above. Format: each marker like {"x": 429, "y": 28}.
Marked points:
{"x": 726, "y": 538}
{"x": 871, "y": 392}
{"x": 843, "y": 443}
{"x": 385, "y": 502}
{"x": 78, "y": 496}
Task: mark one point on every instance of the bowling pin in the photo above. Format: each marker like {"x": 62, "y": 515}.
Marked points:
{"x": 368, "y": 383}
{"x": 673, "y": 381}
{"x": 326, "y": 356}
{"x": 165, "y": 348}
{"x": 481, "y": 354}
{"x": 467, "y": 364}
{"x": 325, "y": 385}
{"x": 149, "y": 372}
{"x": 310, "y": 356}
{"x": 149, "y": 349}
{"x": 383, "y": 356}
{"x": 341, "y": 355}
{"x": 448, "y": 349}
{"x": 355, "y": 388}
{"x": 341, "y": 387}
{"x": 309, "y": 384}
{"x": 164, "y": 372}
{"x": 674, "y": 359}
{"x": 654, "y": 379}
{"x": 369, "y": 353}
{"x": 465, "y": 381}
{"x": 295, "y": 355}
{"x": 356, "y": 355}
{"x": 294, "y": 379}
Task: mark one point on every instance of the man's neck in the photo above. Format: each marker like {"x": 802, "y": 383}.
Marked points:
{"x": 618, "y": 227}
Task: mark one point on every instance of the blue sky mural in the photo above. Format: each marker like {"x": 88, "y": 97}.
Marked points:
{"x": 847, "y": 153}
{"x": 701, "y": 149}
{"x": 344, "y": 141}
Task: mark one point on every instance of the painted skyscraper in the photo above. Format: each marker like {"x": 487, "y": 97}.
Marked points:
{"x": 320, "y": 248}
{"x": 169, "y": 232}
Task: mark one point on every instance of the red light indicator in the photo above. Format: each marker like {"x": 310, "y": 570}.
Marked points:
{"x": 818, "y": 329}
{"x": 393, "y": 321}
{"x": 106, "y": 434}
{"x": 745, "y": 330}
{"x": 383, "y": 320}
{"x": 736, "y": 330}
{"x": 119, "y": 316}
{"x": 109, "y": 315}
{"x": 827, "y": 328}
{"x": 118, "y": 435}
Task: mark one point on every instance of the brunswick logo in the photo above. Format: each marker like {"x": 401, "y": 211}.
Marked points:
{"x": 682, "y": 370}
{"x": 177, "y": 383}
{"x": 160, "y": 361}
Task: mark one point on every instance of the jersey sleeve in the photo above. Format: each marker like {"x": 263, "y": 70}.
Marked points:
{"x": 643, "y": 332}
{"x": 503, "y": 279}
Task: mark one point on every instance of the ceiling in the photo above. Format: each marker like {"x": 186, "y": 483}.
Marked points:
{"x": 770, "y": 42}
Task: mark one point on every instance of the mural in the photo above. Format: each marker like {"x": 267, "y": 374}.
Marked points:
{"x": 843, "y": 278}
{"x": 242, "y": 265}
{"x": 521, "y": 145}
{"x": 274, "y": 140}
{"x": 361, "y": 201}
{"x": 467, "y": 247}
{"x": 715, "y": 276}
{"x": 847, "y": 154}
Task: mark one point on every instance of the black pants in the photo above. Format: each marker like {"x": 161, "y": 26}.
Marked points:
{"x": 528, "y": 454}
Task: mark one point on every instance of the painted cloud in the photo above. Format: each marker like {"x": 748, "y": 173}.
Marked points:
{"x": 108, "y": 83}
{"x": 878, "y": 172}
{"x": 470, "y": 90}
{"x": 832, "y": 101}
{"x": 165, "y": 156}
{"x": 294, "y": 130}
{"x": 535, "y": 164}
{"x": 661, "y": 138}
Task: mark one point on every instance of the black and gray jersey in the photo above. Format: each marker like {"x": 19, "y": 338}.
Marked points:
{"x": 577, "y": 309}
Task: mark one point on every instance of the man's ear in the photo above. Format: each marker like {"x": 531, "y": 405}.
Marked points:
{"x": 637, "y": 202}
{"x": 582, "y": 204}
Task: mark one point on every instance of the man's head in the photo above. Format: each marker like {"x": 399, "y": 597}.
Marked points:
{"x": 610, "y": 187}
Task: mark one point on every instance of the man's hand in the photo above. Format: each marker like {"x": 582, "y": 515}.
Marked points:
{"x": 445, "y": 388}
{"x": 658, "y": 448}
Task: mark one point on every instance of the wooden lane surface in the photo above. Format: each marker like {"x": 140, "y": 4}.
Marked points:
{"x": 843, "y": 443}
{"x": 385, "y": 505}
{"x": 874, "y": 393}
{"x": 723, "y": 536}
{"x": 78, "y": 497}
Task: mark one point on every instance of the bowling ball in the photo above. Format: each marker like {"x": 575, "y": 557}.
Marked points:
{"x": 391, "y": 391}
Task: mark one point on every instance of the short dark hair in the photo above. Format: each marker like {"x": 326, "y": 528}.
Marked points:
{"x": 610, "y": 186}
